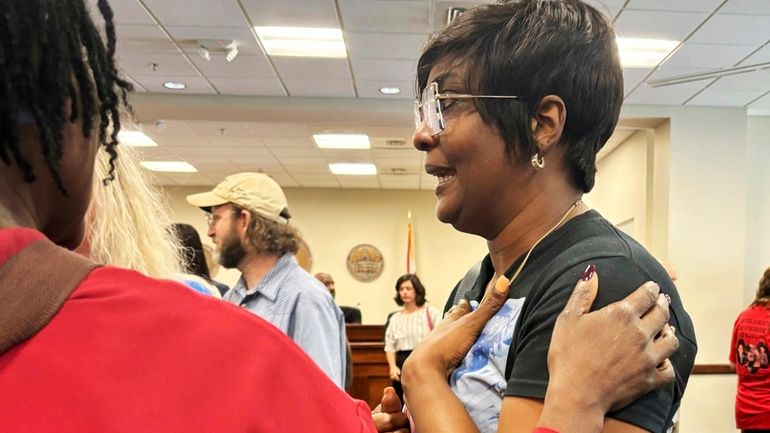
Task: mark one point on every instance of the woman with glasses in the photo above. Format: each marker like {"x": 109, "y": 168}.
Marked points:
{"x": 516, "y": 99}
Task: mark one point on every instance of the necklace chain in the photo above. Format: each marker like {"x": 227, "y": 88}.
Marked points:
{"x": 558, "y": 224}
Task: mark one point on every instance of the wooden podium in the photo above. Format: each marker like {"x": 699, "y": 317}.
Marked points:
{"x": 370, "y": 367}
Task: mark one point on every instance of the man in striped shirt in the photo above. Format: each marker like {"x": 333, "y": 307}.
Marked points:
{"x": 249, "y": 225}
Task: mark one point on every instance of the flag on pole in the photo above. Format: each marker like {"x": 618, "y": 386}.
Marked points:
{"x": 411, "y": 260}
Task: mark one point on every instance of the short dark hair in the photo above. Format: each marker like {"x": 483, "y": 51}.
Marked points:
{"x": 419, "y": 289}
{"x": 194, "y": 258}
{"x": 531, "y": 49}
{"x": 51, "y": 53}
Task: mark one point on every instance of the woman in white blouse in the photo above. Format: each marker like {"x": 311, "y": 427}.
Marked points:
{"x": 409, "y": 326}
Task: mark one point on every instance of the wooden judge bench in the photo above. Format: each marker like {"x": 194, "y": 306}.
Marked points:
{"x": 370, "y": 367}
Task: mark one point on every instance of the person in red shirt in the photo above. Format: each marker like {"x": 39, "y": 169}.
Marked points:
{"x": 749, "y": 357}
{"x": 92, "y": 348}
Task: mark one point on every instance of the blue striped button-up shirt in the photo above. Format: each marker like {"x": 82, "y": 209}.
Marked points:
{"x": 300, "y": 306}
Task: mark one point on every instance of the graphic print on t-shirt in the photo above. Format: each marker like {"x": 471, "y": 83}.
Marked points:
{"x": 751, "y": 348}
{"x": 479, "y": 381}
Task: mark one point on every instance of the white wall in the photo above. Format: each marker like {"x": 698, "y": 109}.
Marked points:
{"x": 332, "y": 221}
{"x": 707, "y": 242}
{"x": 621, "y": 186}
{"x": 757, "y": 204}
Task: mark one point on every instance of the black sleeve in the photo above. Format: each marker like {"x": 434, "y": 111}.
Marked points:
{"x": 618, "y": 276}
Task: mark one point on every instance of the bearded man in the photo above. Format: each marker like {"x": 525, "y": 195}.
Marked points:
{"x": 249, "y": 225}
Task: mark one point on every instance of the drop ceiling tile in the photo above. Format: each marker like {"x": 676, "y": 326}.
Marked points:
{"x": 326, "y": 176}
{"x": 352, "y": 154}
{"x": 746, "y": 7}
{"x": 391, "y": 46}
{"x": 670, "y": 95}
{"x": 207, "y": 128}
{"x": 675, "y": 5}
{"x": 320, "y": 88}
{"x": 208, "y": 160}
{"x": 125, "y": 12}
{"x": 400, "y": 178}
{"x": 255, "y": 163}
{"x": 319, "y": 184}
{"x": 187, "y": 179}
{"x": 167, "y": 65}
{"x": 290, "y": 153}
{"x": 304, "y": 142}
{"x": 725, "y": 98}
{"x": 371, "y": 89}
{"x": 359, "y": 182}
{"x": 242, "y": 144}
{"x": 762, "y": 103}
{"x": 303, "y": 161}
{"x": 188, "y": 37}
{"x": 181, "y": 142}
{"x": 307, "y": 168}
{"x": 708, "y": 56}
{"x": 241, "y": 152}
{"x": 404, "y": 131}
{"x": 154, "y": 84}
{"x": 761, "y": 56}
{"x": 759, "y": 80}
{"x": 145, "y": 46}
{"x": 292, "y": 13}
{"x": 633, "y": 76}
{"x": 194, "y": 151}
{"x": 147, "y": 32}
{"x": 285, "y": 180}
{"x": 197, "y": 13}
{"x": 278, "y": 129}
{"x": 657, "y": 25}
{"x": 734, "y": 29}
{"x": 244, "y": 66}
{"x": 397, "y": 154}
{"x": 388, "y": 16}
{"x": 384, "y": 70}
{"x": 248, "y": 86}
{"x": 175, "y": 128}
{"x": 316, "y": 69}
{"x": 666, "y": 71}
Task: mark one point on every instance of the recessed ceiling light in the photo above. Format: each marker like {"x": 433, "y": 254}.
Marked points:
{"x": 169, "y": 166}
{"x": 342, "y": 141}
{"x": 302, "y": 42}
{"x": 390, "y": 90}
{"x": 644, "y": 53}
{"x": 174, "y": 85}
{"x": 135, "y": 139}
{"x": 354, "y": 169}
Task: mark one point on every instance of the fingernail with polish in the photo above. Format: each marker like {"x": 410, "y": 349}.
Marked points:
{"x": 588, "y": 273}
{"x": 668, "y": 298}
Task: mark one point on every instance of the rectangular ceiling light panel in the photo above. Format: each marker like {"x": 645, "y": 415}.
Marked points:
{"x": 169, "y": 166}
{"x": 644, "y": 53}
{"x": 135, "y": 139}
{"x": 302, "y": 42}
{"x": 342, "y": 141}
{"x": 353, "y": 169}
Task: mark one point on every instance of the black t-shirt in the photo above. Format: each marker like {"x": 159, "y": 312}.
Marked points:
{"x": 541, "y": 291}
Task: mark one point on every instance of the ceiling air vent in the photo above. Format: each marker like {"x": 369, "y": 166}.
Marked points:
{"x": 395, "y": 143}
{"x": 453, "y": 13}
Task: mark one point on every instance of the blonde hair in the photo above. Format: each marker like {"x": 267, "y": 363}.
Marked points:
{"x": 129, "y": 225}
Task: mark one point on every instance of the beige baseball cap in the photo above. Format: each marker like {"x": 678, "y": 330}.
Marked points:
{"x": 257, "y": 192}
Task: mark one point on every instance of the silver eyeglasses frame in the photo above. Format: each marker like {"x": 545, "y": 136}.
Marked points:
{"x": 428, "y": 110}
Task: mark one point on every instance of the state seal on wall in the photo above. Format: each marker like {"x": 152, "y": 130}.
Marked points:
{"x": 365, "y": 262}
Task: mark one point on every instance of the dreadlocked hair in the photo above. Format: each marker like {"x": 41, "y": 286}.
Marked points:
{"x": 51, "y": 54}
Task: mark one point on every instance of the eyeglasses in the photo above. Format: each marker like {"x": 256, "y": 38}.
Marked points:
{"x": 429, "y": 108}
